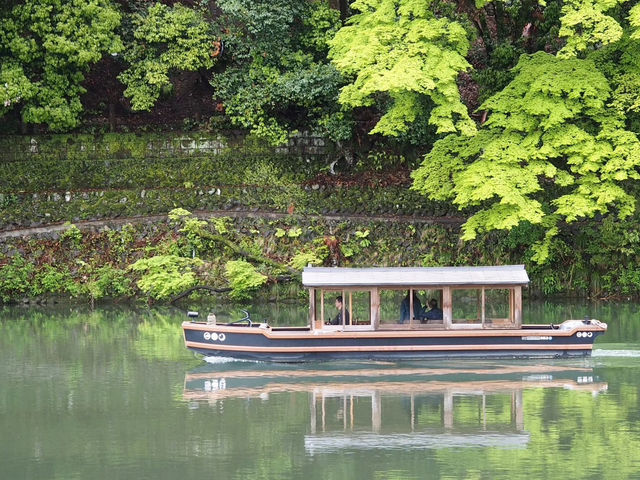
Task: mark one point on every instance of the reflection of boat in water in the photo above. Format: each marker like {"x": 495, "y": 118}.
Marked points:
{"x": 404, "y": 408}
{"x": 377, "y": 313}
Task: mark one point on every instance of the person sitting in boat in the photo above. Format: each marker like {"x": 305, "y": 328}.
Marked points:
{"x": 434, "y": 313}
{"x": 340, "y": 307}
{"x": 405, "y": 308}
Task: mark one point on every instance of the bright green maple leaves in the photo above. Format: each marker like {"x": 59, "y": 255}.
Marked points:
{"x": 552, "y": 150}
{"x": 399, "y": 48}
{"x": 585, "y": 24}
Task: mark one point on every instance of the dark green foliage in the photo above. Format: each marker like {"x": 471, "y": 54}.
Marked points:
{"x": 110, "y": 282}
{"x": 52, "y": 280}
{"x": 53, "y": 207}
{"x": 98, "y": 184}
{"x": 276, "y": 77}
{"x": 125, "y": 161}
{"x": 620, "y": 63}
{"x": 165, "y": 40}
{"x": 16, "y": 278}
{"x": 498, "y": 72}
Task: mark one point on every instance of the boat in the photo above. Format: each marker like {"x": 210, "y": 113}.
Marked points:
{"x": 381, "y": 314}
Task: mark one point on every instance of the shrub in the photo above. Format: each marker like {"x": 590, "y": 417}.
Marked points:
{"x": 163, "y": 276}
{"x": 53, "y": 280}
{"x": 108, "y": 281}
{"x": 302, "y": 259}
{"x": 15, "y": 278}
{"x": 243, "y": 278}
{"x": 72, "y": 234}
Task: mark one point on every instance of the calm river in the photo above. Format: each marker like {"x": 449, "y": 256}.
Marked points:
{"x": 113, "y": 394}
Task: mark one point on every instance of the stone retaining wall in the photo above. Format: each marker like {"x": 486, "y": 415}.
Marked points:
{"x": 21, "y": 148}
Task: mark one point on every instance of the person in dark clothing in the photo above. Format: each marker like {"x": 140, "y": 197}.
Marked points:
{"x": 434, "y": 313}
{"x": 338, "y": 318}
{"x": 405, "y": 308}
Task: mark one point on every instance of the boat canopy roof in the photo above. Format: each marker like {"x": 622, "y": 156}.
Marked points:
{"x": 414, "y": 276}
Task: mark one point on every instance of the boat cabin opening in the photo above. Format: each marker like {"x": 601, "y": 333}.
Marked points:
{"x": 415, "y": 298}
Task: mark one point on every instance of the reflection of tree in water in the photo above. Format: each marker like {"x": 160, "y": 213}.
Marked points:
{"x": 462, "y": 412}
{"x": 155, "y": 333}
{"x": 160, "y": 339}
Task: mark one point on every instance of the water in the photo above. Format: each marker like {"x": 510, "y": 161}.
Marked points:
{"x": 113, "y": 394}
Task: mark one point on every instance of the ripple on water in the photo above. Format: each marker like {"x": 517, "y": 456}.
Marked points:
{"x": 616, "y": 351}
{"x": 221, "y": 360}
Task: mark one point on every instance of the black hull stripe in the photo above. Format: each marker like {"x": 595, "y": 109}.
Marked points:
{"x": 386, "y": 348}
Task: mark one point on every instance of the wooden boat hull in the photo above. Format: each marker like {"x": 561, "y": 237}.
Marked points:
{"x": 259, "y": 342}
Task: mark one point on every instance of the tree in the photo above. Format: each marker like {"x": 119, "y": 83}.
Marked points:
{"x": 552, "y": 150}
{"x": 46, "y": 46}
{"x": 165, "y": 39}
{"x": 276, "y": 77}
{"x": 620, "y": 63}
{"x": 399, "y": 52}
{"x": 586, "y": 25}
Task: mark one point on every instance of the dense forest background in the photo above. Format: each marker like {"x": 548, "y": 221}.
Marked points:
{"x": 523, "y": 115}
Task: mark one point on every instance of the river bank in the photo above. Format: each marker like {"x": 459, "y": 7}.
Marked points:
{"x": 156, "y": 258}
{"x": 148, "y": 217}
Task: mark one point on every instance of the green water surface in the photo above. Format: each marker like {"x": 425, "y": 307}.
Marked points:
{"x": 113, "y": 394}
